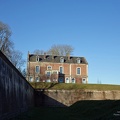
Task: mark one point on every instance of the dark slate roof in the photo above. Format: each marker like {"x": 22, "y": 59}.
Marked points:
{"x": 56, "y": 59}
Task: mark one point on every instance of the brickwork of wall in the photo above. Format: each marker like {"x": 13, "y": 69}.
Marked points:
{"x": 69, "y": 69}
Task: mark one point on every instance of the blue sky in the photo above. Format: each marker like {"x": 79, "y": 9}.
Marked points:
{"x": 92, "y": 27}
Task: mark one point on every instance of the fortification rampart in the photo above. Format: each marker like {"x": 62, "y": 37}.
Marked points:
{"x": 16, "y": 95}
{"x": 69, "y": 97}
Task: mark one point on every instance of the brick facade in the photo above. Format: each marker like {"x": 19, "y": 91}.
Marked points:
{"x": 64, "y": 69}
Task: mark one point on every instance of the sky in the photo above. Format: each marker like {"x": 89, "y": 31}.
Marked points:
{"x": 91, "y": 27}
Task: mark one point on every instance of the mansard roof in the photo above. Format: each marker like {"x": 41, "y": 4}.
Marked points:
{"x": 56, "y": 59}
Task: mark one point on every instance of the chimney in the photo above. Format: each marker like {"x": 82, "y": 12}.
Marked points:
{"x": 68, "y": 55}
{"x": 28, "y": 56}
{"x": 52, "y": 54}
{"x": 44, "y": 55}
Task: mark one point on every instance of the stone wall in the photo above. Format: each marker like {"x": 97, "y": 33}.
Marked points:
{"x": 69, "y": 97}
{"x": 16, "y": 94}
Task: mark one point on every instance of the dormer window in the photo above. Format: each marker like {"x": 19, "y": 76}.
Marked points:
{"x": 61, "y": 59}
{"x": 78, "y": 60}
{"x": 37, "y": 58}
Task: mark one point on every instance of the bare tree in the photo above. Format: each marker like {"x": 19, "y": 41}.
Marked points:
{"x": 24, "y": 73}
{"x": 61, "y": 50}
{"x": 39, "y": 52}
{"x": 6, "y": 45}
{"x": 17, "y": 59}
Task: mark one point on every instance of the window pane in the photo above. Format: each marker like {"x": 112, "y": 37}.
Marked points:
{"x": 37, "y": 58}
{"x": 61, "y": 69}
{"x": 48, "y": 73}
{"x": 49, "y": 67}
{"x": 78, "y": 60}
{"x": 61, "y": 60}
{"x": 60, "y": 80}
{"x": 67, "y": 80}
{"x": 31, "y": 79}
{"x": 73, "y": 80}
{"x": 37, "y": 69}
{"x": 83, "y": 80}
{"x": 48, "y": 80}
{"x": 78, "y": 70}
{"x": 37, "y": 79}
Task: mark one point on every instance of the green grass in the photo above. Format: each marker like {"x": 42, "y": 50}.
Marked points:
{"x": 70, "y": 86}
{"x": 82, "y": 110}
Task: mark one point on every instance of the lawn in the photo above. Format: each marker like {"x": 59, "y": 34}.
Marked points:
{"x": 70, "y": 86}
{"x": 82, "y": 110}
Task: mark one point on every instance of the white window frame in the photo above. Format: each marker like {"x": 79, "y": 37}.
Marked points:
{"x": 77, "y": 71}
{"x": 62, "y": 60}
{"x": 48, "y": 71}
{"x": 72, "y": 80}
{"x": 31, "y": 80}
{"x": 48, "y": 80}
{"x": 49, "y": 68}
{"x": 37, "y": 80}
{"x": 67, "y": 79}
{"x": 37, "y": 58}
{"x": 36, "y": 69}
{"x": 84, "y": 80}
{"x": 78, "y": 60}
{"x": 62, "y": 69}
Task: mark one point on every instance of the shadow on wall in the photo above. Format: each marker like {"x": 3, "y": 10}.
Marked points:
{"x": 45, "y": 101}
{"x": 81, "y": 110}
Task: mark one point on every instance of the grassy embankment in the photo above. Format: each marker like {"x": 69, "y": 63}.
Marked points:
{"x": 70, "y": 86}
{"x": 82, "y": 110}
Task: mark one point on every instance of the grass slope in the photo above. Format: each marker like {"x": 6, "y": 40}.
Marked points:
{"x": 70, "y": 86}
{"x": 82, "y": 110}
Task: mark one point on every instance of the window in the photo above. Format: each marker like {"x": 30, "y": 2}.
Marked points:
{"x": 48, "y": 73}
{"x": 78, "y": 71}
{"x": 73, "y": 80}
{"x": 37, "y": 69}
{"x": 61, "y": 80}
{"x": 61, "y": 70}
{"x": 37, "y": 58}
{"x": 49, "y": 67}
{"x": 37, "y": 79}
{"x": 30, "y": 79}
{"x": 84, "y": 80}
{"x": 61, "y": 59}
{"x": 48, "y": 80}
{"x": 67, "y": 80}
{"x": 78, "y": 60}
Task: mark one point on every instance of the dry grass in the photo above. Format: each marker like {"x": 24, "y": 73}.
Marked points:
{"x": 70, "y": 86}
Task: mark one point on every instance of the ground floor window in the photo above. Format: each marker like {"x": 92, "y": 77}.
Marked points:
{"x": 37, "y": 79}
{"x": 83, "y": 80}
{"x": 67, "y": 80}
{"x": 48, "y": 80}
{"x": 73, "y": 80}
{"x": 30, "y": 79}
{"x": 61, "y": 80}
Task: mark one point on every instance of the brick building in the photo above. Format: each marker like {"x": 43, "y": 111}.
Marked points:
{"x": 62, "y": 69}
